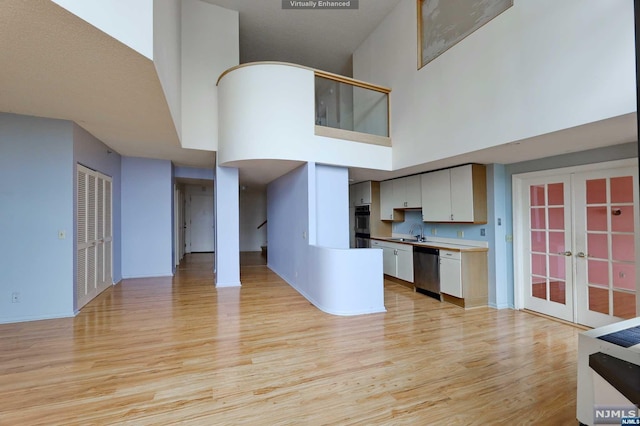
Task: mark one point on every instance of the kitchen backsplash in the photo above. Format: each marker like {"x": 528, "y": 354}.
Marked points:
{"x": 445, "y": 230}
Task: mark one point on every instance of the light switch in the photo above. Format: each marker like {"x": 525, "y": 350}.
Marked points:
{"x": 62, "y": 234}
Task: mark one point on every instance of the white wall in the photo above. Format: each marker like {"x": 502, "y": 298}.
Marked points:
{"x": 147, "y": 242}
{"x": 303, "y": 216}
{"x": 331, "y": 206}
{"x": 539, "y": 67}
{"x": 36, "y": 201}
{"x": 167, "y": 56}
{"x": 210, "y": 45}
{"x": 253, "y": 211}
{"x": 128, "y": 21}
{"x": 258, "y": 122}
{"x": 227, "y": 263}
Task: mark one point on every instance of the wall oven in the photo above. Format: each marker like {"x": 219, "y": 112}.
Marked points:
{"x": 363, "y": 231}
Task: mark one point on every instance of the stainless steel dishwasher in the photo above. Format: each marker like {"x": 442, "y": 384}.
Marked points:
{"x": 426, "y": 271}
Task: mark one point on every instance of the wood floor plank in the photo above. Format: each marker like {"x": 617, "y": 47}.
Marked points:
{"x": 178, "y": 350}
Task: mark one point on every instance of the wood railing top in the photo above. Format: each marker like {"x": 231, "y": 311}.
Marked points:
{"x": 319, "y": 73}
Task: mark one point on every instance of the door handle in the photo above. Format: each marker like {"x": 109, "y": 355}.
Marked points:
{"x": 582, "y": 254}
{"x": 565, "y": 253}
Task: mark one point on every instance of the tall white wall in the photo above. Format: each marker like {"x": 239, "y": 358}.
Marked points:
{"x": 539, "y": 67}
{"x": 167, "y": 56}
{"x": 128, "y": 21}
{"x": 210, "y": 44}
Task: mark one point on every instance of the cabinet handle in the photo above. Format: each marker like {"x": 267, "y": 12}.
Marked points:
{"x": 582, "y": 254}
{"x": 565, "y": 253}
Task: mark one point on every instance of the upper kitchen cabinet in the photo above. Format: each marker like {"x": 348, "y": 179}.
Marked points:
{"x": 458, "y": 194}
{"x": 360, "y": 194}
{"x": 397, "y": 195}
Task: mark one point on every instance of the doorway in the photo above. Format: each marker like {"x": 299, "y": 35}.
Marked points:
{"x": 576, "y": 233}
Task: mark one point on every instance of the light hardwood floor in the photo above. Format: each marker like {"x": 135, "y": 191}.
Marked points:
{"x": 167, "y": 351}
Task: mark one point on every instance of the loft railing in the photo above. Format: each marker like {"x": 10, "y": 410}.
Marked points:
{"x": 350, "y": 109}
{"x": 345, "y": 108}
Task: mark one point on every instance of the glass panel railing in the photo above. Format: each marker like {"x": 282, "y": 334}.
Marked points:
{"x": 346, "y": 104}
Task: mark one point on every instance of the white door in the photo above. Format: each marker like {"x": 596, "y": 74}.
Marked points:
{"x": 94, "y": 236}
{"x": 606, "y": 220}
{"x": 202, "y": 223}
{"x": 576, "y": 259}
{"x": 547, "y": 276}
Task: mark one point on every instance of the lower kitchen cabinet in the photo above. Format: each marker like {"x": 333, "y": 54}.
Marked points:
{"x": 397, "y": 259}
{"x": 404, "y": 263}
{"x": 464, "y": 278}
{"x": 450, "y": 273}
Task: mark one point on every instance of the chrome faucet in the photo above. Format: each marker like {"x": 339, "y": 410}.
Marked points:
{"x": 419, "y": 237}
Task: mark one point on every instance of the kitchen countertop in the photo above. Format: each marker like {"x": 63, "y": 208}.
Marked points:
{"x": 432, "y": 244}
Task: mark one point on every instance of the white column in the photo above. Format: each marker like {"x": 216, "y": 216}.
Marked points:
{"x": 227, "y": 229}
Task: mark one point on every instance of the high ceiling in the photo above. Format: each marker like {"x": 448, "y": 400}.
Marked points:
{"x": 322, "y": 39}
{"x": 54, "y": 64}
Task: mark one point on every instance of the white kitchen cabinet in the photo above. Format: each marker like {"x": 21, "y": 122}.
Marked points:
{"x": 458, "y": 194}
{"x": 387, "y": 204}
{"x": 399, "y": 194}
{"x": 450, "y": 273}
{"x": 464, "y": 277}
{"x": 397, "y": 259}
{"x": 404, "y": 265}
{"x": 436, "y": 196}
{"x": 360, "y": 194}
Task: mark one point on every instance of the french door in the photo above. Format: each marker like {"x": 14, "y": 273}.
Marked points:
{"x": 94, "y": 236}
{"x": 576, "y": 258}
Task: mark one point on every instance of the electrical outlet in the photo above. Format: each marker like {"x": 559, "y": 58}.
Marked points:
{"x": 434, "y": 231}
{"x": 509, "y": 238}
{"x": 483, "y": 232}
{"x": 15, "y": 297}
{"x": 62, "y": 234}
{"x": 460, "y": 234}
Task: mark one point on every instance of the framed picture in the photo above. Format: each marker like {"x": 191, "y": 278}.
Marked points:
{"x": 443, "y": 23}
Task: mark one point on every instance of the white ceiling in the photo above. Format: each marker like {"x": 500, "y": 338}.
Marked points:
{"x": 322, "y": 39}
{"x": 54, "y": 64}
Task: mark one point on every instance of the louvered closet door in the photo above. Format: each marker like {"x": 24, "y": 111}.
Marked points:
{"x": 94, "y": 236}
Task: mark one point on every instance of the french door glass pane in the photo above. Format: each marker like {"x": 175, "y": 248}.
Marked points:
{"x": 556, "y": 242}
{"x": 622, "y": 218}
{"x": 557, "y": 267}
{"x": 556, "y": 218}
{"x": 538, "y": 220}
{"x": 539, "y": 287}
{"x": 622, "y": 189}
{"x": 598, "y": 272}
{"x": 537, "y": 195}
{"x": 539, "y": 241}
{"x": 556, "y": 194}
{"x": 599, "y": 300}
{"x": 623, "y": 247}
{"x": 624, "y": 304}
{"x": 557, "y": 291}
{"x": 597, "y": 218}
{"x": 598, "y": 246}
{"x": 539, "y": 264}
{"x": 624, "y": 276}
{"x": 597, "y": 191}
